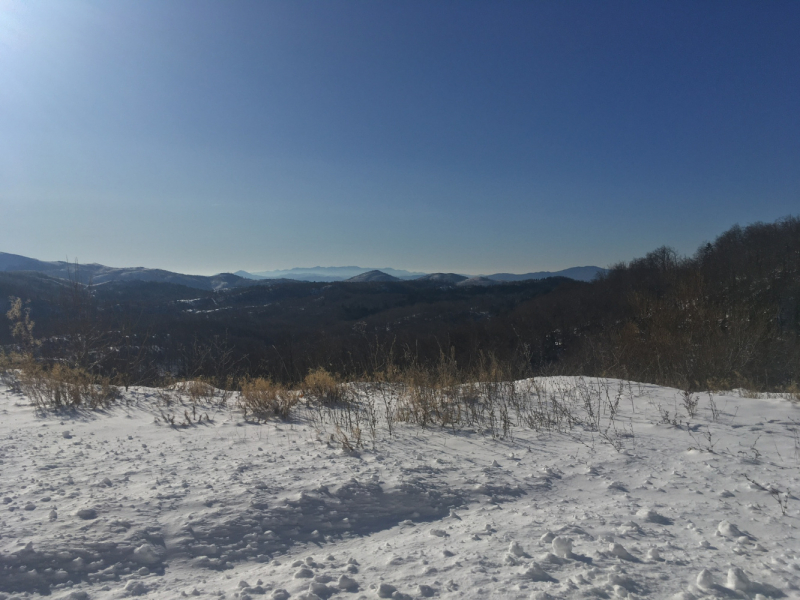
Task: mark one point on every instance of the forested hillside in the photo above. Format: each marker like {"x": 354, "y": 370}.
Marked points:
{"x": 726, "y": 316}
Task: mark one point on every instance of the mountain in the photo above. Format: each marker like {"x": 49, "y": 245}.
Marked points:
{"x": 442, "y": 278}
{"x": 331, "y": 274}
{"x": 326, "y": 274}
{"x": 373, "y": 275}
{"x": 477, "y": 281}
{"x": 577, "y": 273}
{"x": 15, "y": 262}
{"x": 96, "y": 274}
{"x": 246, "y": 275}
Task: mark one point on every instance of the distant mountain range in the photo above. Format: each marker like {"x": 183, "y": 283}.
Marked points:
{"x": 443, "y": 278}
{"x": 329, "y": 274}
{"x": 324, "y": 274}
{"x": 98, "y": 274}
{"x": 373, "y": 275}
{"x": 578, "y": 273}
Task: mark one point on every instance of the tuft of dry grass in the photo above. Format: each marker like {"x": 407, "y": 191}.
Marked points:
{"x": 10, "y": 366}
{"x": 56, "y": 386}
{"x": 264, "y": 399}
{"x": 198, "y": 390}
{"x": 322, "y": 386}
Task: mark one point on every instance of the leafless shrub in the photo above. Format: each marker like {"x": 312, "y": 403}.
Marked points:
{"x": 166, "y": 394}
{"x": 350, "y": 439}
{"x": 49, "y": 386}
{"x": 712, "y": 406}
{"x": 793, "y": 390}
{"x": 10, "y": 364}
{"x": 613, "y": 437}
{"x": 200, "y": 391}
{"x": 706, "y": 441}
{"x": 265, "y": 399}
{"x": 690, "y": 402}
{"x": 782, "y": 498}
{"x": 19, "y": 316}
{"x": 542, "y": 410}
{"x": 387, "y": 392}
{"x": 795, "y": 431}
{"x": 61, "y": 386}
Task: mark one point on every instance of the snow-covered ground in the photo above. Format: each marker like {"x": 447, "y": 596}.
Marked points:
{"x": 118, "y": 503}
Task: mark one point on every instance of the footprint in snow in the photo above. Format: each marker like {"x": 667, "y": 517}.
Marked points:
{"x": 619, "y": 551}
{"x": 304, "y": 574}
{"x": 320, "y": 590}
{"x": 347, "y": 584}
{"x": 705, "y": 580}
{"x": 562, "y": 546}
{"x": 654, "y": 554}
{"x": 515, "y": 549}
{"x": 651, "y": 516}
{"x": 730, "y": 530}
{"x": 86, "y": 514}
{"x": 536, "y": 573}
{"x": 736, "y": 581}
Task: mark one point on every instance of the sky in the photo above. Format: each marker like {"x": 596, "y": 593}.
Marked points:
{"x": 455, "y": 136}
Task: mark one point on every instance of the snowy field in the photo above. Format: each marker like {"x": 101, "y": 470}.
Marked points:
{"x": 119, "y": 503}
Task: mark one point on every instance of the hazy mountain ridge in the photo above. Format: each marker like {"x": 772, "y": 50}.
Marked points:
{"x": 478, "y": 280}
{"x": 324, "y": 274}
{"x": 578, "y": 273}
{"x": 374, "y": 275}
{"x": 98, "y": 274}
{"x": 443, "y": 278}
{"x": 330, "y": 274}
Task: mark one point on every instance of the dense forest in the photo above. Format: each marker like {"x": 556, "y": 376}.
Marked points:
{"x": 727, "y": 316}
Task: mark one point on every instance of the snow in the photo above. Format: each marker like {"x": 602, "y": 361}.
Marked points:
{"x": 119, "y": 504}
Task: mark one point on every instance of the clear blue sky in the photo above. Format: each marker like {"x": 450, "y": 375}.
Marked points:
{"x": 435, "y": 136}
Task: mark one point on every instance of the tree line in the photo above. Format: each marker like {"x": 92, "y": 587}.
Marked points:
{"x": 727, "y": 316}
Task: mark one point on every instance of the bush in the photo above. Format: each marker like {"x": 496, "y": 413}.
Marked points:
{"x": 10, "y": 364}
{"x": 323, "y": 387}
{"x": 61, "y": 386}
{"x": 264, "y": 399}
{"x": 197, "y": 390}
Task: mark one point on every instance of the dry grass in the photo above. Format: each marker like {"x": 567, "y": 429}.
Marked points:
{"x": 264, "y": 399}
{"x": 588, "y": 410}
{"x": 200, "y": 391}
{"x": 322, "y": 386}
{"x": 9, "y": 370}
{"x": 197, "y": 390}
{"x": 56, "y": 386}
{"x": 441, "y": 396}
{"x": 446, "y": 396}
